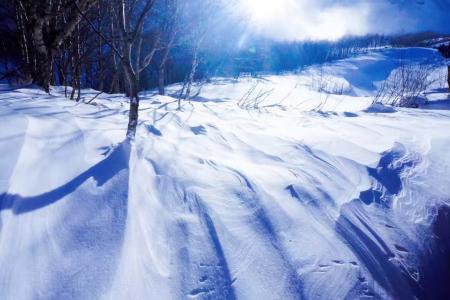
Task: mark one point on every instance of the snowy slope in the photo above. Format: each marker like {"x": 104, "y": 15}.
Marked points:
{"x": 256, "y": 189}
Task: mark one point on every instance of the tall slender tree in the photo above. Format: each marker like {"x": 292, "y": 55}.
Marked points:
{"x": 131, "y": 20}
{"x": 445, "y": 51}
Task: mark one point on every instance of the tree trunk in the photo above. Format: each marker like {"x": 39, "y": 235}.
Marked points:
{"x": 191, "y": 79}
{"x": 114, "y": 88}
{"x": 44, "y": 71}
{"x": 162, "y": 65}
{"x": 44, "y": 62}
{"x": 448, "y": 77}
{"x": 133, "y": 89}
{"x": 161, "y": 80}
{"x": 134, "y": 111}
{"x": 128, "y": 38}
{"x": 22, "y": 31}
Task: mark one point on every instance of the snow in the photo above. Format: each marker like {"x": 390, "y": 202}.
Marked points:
{"x": 309, "y": 191}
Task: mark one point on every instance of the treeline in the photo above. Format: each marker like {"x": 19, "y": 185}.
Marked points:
{"x": 275, "y": 57}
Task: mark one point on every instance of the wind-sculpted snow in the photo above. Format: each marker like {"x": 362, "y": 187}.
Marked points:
{"x": 288, "y": 199}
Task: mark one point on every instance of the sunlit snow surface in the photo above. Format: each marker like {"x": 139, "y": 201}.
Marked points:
{"x": 299, "y": 194}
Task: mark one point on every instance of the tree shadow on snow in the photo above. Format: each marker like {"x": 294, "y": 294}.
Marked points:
{"x": 101, "y": 173}
{"x": 437, "y": 105}
{"x": 89, "y": 231}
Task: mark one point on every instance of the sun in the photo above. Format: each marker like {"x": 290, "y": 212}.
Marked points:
{"x": 262, "y": 12}
{"x": 304, "y": 19}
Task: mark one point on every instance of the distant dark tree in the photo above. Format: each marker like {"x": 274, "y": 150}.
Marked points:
{"x": 169, "y": 28}
{"x": 9, "y": 56}
{"x": 445, "y": 51}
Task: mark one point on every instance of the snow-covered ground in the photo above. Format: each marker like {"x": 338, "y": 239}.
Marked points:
{"x": 282, "y": 187}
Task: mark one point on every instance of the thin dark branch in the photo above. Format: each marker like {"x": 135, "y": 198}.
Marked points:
{"x": 140, "y": 23}
{"x": 99, "y": 33}
{"x": 94, "y": 98}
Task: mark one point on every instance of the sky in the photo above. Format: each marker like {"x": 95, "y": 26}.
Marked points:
{"x": 333, "y": 19}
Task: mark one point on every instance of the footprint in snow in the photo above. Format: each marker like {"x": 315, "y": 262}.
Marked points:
{"x": 154, "y": 130}
{"x": 400, "y": 248}
{"x": 350, "y": 114}
{"x": 338, "y": 262}
{"x": 198, "y": 130}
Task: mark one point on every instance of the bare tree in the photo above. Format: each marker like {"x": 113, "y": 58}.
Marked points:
{"x": 129, "y": 32}
{"x": 169, "y": 28}
{"x": 406, "y": 84}
{"x": 200, "y": 25}
{"x": 130, "y": 17}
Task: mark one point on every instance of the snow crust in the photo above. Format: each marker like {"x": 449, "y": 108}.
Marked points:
{"x": 282, "y": 187}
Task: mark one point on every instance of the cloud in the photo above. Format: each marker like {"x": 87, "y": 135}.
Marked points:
{"x": 328, "y": 19}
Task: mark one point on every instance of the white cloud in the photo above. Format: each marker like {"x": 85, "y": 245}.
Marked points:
{"x": 327, "y": 19}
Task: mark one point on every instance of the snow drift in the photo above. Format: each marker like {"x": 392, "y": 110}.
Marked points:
{"x": 267, "y": 188}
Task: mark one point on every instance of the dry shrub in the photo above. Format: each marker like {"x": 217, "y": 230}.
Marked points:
{"x": 406, "y": 84}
